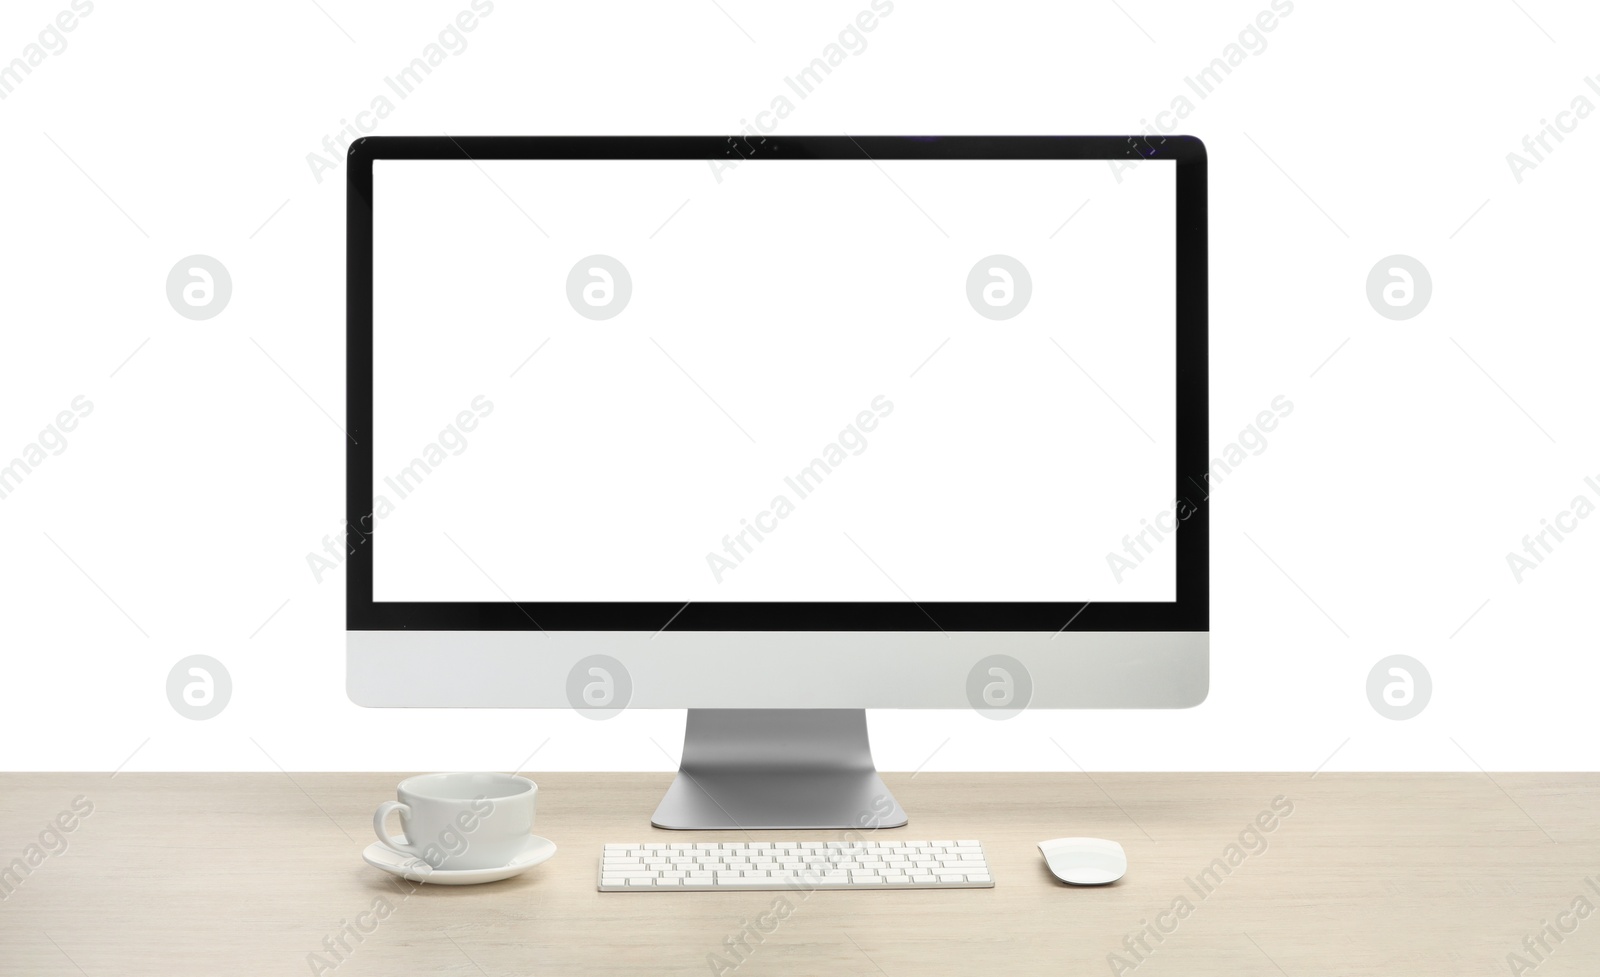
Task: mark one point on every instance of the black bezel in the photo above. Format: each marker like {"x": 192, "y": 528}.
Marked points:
{"x": 1191, "y": 610}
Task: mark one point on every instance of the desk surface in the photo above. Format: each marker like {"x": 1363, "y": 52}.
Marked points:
{"x": 1416, "y": 874}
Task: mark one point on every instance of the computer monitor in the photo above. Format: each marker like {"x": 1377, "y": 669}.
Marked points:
{"x": 777, "y": 429}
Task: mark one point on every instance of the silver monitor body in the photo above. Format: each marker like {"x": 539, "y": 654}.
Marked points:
{"x": 509, "y": 579}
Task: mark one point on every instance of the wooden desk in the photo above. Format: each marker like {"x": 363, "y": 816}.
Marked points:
{"x": 234, "y": 874}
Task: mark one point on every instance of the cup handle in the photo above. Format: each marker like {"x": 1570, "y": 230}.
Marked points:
{"x": 381, "y": 815}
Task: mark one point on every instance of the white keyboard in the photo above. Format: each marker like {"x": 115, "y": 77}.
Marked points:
{"x": 801, "y": 865}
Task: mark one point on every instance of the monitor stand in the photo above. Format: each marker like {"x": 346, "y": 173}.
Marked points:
{"x": 744, "y": 769}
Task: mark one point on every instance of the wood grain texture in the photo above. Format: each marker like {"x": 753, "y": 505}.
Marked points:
{"x": 233, "y": 874}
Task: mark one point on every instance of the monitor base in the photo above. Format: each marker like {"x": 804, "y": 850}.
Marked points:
{"x": 745, "y": 769}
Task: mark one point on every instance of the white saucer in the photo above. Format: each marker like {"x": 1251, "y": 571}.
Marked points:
{"x": 416, "y": 870}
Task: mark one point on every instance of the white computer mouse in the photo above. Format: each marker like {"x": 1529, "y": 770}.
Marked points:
{"x": 1085, "y": 861}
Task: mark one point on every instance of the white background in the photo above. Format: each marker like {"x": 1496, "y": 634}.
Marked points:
{"x": 763, "y": 317}
{"x": 1377, "y": 520}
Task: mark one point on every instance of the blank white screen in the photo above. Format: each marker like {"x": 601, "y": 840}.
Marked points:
{"x": 768, "y": 311}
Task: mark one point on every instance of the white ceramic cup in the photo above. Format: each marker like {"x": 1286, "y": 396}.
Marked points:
{"x": 460, "y": 820}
